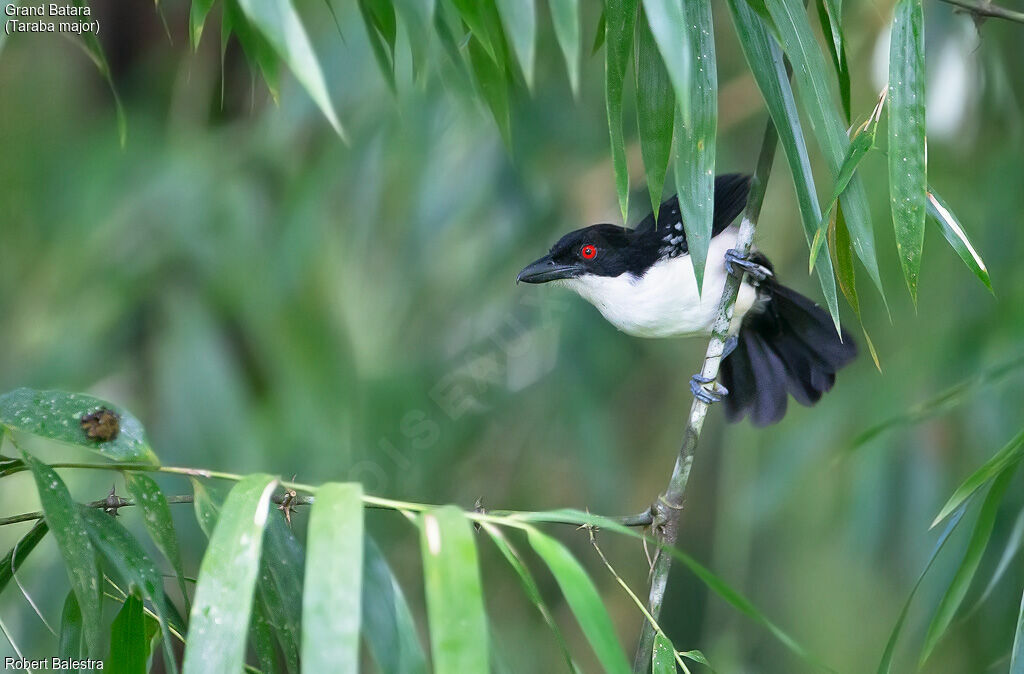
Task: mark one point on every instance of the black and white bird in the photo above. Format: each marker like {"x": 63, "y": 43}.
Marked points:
{"x": 642, "y": 282}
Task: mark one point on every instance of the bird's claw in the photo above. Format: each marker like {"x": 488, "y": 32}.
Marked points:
{"x": 717, "y": 392}
{"x": 738, "y": 265}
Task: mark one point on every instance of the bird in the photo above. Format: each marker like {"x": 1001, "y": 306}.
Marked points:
{"x": 781, "y": 343}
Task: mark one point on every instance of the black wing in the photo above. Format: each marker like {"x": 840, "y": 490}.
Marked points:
{"x": 731, "y": 192}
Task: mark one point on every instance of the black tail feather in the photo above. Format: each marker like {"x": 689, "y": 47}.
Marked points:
{"x": 790, "y": 346}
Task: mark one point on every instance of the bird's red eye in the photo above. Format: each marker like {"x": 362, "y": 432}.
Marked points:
{"x": 588, "y": 252}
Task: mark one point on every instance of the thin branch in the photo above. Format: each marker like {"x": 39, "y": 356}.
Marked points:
{"x": 669, "y": 505}
{"x": 987, "y": 9}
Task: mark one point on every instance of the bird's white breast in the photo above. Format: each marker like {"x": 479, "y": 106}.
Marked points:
{"x": 664, "y": 301}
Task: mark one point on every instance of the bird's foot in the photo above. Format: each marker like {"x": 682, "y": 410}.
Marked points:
{"x": 717, "y": 392}
{"x": 737, "y": 265}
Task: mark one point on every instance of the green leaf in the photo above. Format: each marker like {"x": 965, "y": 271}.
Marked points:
{"x": 767, "y": 65}
{"x": 334, "y": 573}
{"x": 128, "y": 640}
{"x": 841, "y": 249}
{"x": 663, "y": 658}
{"x": 565, "y": 18}
{"x": 529, "y": 587}
{"x": 655, "y": 109}
{"x": 857, "y": 150}
{"x": 126, "y": 555}
{"x": 279, "y": 589}
{"x": 387, "y": 622}
{"x": 476, "y": 15}
{"x": 417, "y": 16}
{"x": 455, "y": 606}
{"x": 493, "y": 88}
{"x": 1003, "y": 459}
{"x": 830, "y": 16}
{"x": 520, "y": 20}
{"x": 961, "y": 582}
{"x": 156, "y": 514}
{"x": 1010, "y": 551}
{"x": 602, "y": 28}
{"x": 69, "y": 641}
{"x": 279, "y": 23}
{"x": 19, "y": 553}
{"x": 695, "y": 138}
{"x": 583, "y": 599}
{"x": 620, "y": 19}
{"x": 696, "y": 656}
{"x": 69, "y": 530}
{"x": 206, "y": 509}
{"x": 261, "y": 633}
{"x": 92, "y": 47}
{"x": 197, "y": 19}
{"x": 227, "y": 577}
{"x": 57, "y": 415}
{"x": 818, "y": 102}
{"x": 667, "y": 22}
{"x": 9, "y": 466}
{"x": 885, "y": 665}
{"x": 1017, "y": 654}
{"x": 908, "y": 172}
{"x": 957, "y": 238}
{"x": 382, "y": 42}
{"x": 258, "y": 51}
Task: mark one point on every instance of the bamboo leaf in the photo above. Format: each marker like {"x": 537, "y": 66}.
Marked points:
{"x": 69, "y": 641}
{"x": 417, "y": 16}
{"x": 72, "y": 536}
{"x": 1010, "y": 551}
{"x": 841, "y": 249}
{"x": 961, "y": 582}
{"x": 1003, "y": 459}
{"x": 455, "y": 607}
{"x": 885, "y": 665}
{"x": 128, "y": 639}
{"x": 493, "y": 88}
{"x": 766, "y": 62}
{"x": 663, "y": 657}
{"x": 56, "y": 415}
{"x": 830, "y": 16}
{"x": 387, "y": 622}
{"x": 334, "y": 568}
{"x": 908, "y": 172}
{"x": 565, "y": 17}
{"x": 957, "y": 238}
{"x": 818, "y": 102}
{"x": 695, "y": 138}
{"x": 227, "y": 577}
{"x": 475, "y": 14}
{"x": 156, "y": 514}
{"x": 16, "y": 557}
{"x": 599, "y": 33}
{"x": 1017, "y": 653}
{"x": 620, "y": 19}
{"x": 207, "y": 511}
{"x": 380, "y": 29}
{"x": 126, "y": 555}
{"x": 92, "y": 47}
{"x": 279, "y": 588}
{"x": 520, "y": 20}
{"x": 529, "y": 587}
{"x": 666, "y": 20}
{"x": 261, "y": 633}
{"x": 197, "y": 19}
{"x": 9, "y": 466}
{"x": 655, "y": 109}
{"x": 259, "y": 53}
{"x": 279, "y": 23}
{"x": 583, "y": 599}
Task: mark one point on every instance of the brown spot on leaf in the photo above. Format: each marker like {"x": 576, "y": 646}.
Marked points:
{"x": 102, "y": 425}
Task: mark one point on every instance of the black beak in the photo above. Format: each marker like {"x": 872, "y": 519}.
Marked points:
{"x": 546, "y": 269}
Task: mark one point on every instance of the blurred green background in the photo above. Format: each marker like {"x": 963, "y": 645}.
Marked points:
{"x": 266, "y": 298}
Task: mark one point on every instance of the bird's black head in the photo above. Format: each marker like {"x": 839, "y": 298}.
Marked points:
{"x": 601, "y": 250}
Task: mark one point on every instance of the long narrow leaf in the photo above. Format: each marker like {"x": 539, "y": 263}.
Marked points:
{"x": 1005, "y": 457}
{"x": 125, "y": 554}
{"x": 957, "y": 237}
{"x": 279, "y": 588}
{"x": 620, "y": 19}
{"x": 387, "y": 622}
{"x": 885, "y": 665}
{"x": 818, "y": 102}
{"x": 128, "y": 639}
{"x": 663, "y": 657}
{"x": 493, "y": 88}
{"x": 583, "y": 599}
{"x": 56, "y": 415}
{"x": 455, "y": 606}
{"x": 334, "y": 573}
{"x": 72, "y": 536}
{"x": 227, "y": 578}
{"x": 69, "y": 641}
{"x": 908, "y": 172}
{"x": 16, "y": 557}
{"x": 830, "y": 16}
{"x": 520, "y": 20}
{"x": 695, "y": 138}
{"x": 279, "y": 23}
{"x": 565, "y": 18}
{"x": 961, "y": 582}
{"x": 667, "y": 22}
{"x": 1017, "y": 654}
{"x": 197, "y": 20}
{"x": 766, "y": 63}
{"x": 156, "y": 514}
{"x": 417, "y": 16}
{"x": 655, "y": 109}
